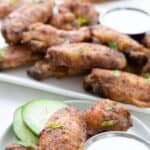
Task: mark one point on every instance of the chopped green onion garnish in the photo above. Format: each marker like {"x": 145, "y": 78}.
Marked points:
{"x": 147, "y": 76}
{"x": 2, "y": 52}
{"x": 66, "y": 42}
{"x": 108, "y": 123}
{"x": 81, "y": 50}
{"x": 55, "y": 125}
{"x": 109, "y": 108}
{"x": 12, "y": 1}
{"x": 113, "y": 45}
{"x": 83, "y": 21}
{"x": 117, "y": 73}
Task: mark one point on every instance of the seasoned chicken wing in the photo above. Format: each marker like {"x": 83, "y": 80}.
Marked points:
{"x": 106, "y": 116}
{"x": 14, "y": 56}
{"x": 74, "y": 14}
{"x": 43, "y": 69}
{"x": 19, "y": 20}
{"x": 85, "y": 56}
{"x": 65, "y": 130}
{"x": 121, "y": 42}
{"x": 119, "y": 86}
{"x": 41, "y": 36}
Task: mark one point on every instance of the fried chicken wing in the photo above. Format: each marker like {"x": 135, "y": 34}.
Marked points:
{"x": 106, "y": 116}
{"x": 85, "y": 56}
{"x": 43, "y": 69}
{"x": 19, "y": 20}
{"x": 74, "y": 14}
{"x": 123, "y": 42}
{"x": 65, "y": 130}
{"x": 119, "y": 86}
{"x": 41, "y": 36}
{"x": 14, "y": 56}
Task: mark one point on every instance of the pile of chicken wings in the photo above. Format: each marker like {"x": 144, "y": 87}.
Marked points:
{"x": 67, "y": 40}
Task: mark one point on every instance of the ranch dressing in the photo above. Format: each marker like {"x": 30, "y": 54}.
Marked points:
{"x": 117, "y": 143}
{"x": 127, "y": 20}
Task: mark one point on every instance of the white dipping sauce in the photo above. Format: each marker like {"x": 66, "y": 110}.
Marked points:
{"x": 128, "y": 21}
{"x": 117, "y": 143}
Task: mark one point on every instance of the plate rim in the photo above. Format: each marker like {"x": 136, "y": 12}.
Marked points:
{"x": 19, "y": 81}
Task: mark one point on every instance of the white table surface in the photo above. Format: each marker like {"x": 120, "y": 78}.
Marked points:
{"x": 11, "y": 96}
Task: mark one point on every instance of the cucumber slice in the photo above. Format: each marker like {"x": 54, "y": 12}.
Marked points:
{"x": 36, "y": 113}
{"x": 23, "y": 133}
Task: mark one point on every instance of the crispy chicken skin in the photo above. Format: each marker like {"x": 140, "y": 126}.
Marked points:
{"x": 85, "y": 56}
{"x": 106, "y": 116}
{"x": 14, "y": 56}
{"x": 119, "y": 86}
{"x": 19, "y": 20}
{"x": 146, "y": 41}
{"x": 43, "y": 69}
{"x": 41, "y": 36}
{"x": 70, "y": 134}
{"x": 124, "y": 43}
{"x": 74, "y": 14}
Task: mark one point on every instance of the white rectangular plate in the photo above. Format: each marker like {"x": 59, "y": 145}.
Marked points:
{"x": 71, "y": 86}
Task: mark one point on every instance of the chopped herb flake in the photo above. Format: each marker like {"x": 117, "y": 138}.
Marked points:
{"x": 147, "y": 76}
{"x": 108, "y": 123}
{"x": 81, "y": 50}
{"x": 117, "y": 73}
{"x": 109, "y": 108}
{"x": 55, "y": 125}
{"x": 2, "y": 53}
{"x": 113, "y": 45}
{"x": 12, "y": 1}
{"x": 83, "y": 21}
{"x": 66, "y": 42}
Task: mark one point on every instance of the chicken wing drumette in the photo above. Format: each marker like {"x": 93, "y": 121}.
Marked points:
{"x": 14, "y": 56}
{"x": 106, "y": 116}
{"x": 43, "y": 69}
{"x": 85, "y": 56}
{"x": 41, "y": 36}
{"x": 119, "y": 86}
{"x": 74, "y": 14}
{"x": 121, "y": 42}
{"x": 65, "y": 130}
{"x": 19, "y": 20}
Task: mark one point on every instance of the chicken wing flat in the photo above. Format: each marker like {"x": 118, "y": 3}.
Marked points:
{"x": 121, "y": 42}
{"x": 43, "y": 69}
{"x": 40, "y": 36}
{"x": 19, "y": 20}
{"x": 64, "y": 131}
{"x": 119, "y": 86}
{"x": 106, "y": 116}
{"x": 85, "y": 56}
{"x": 74, "y": 14}
{"x": 14, "y": 56}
